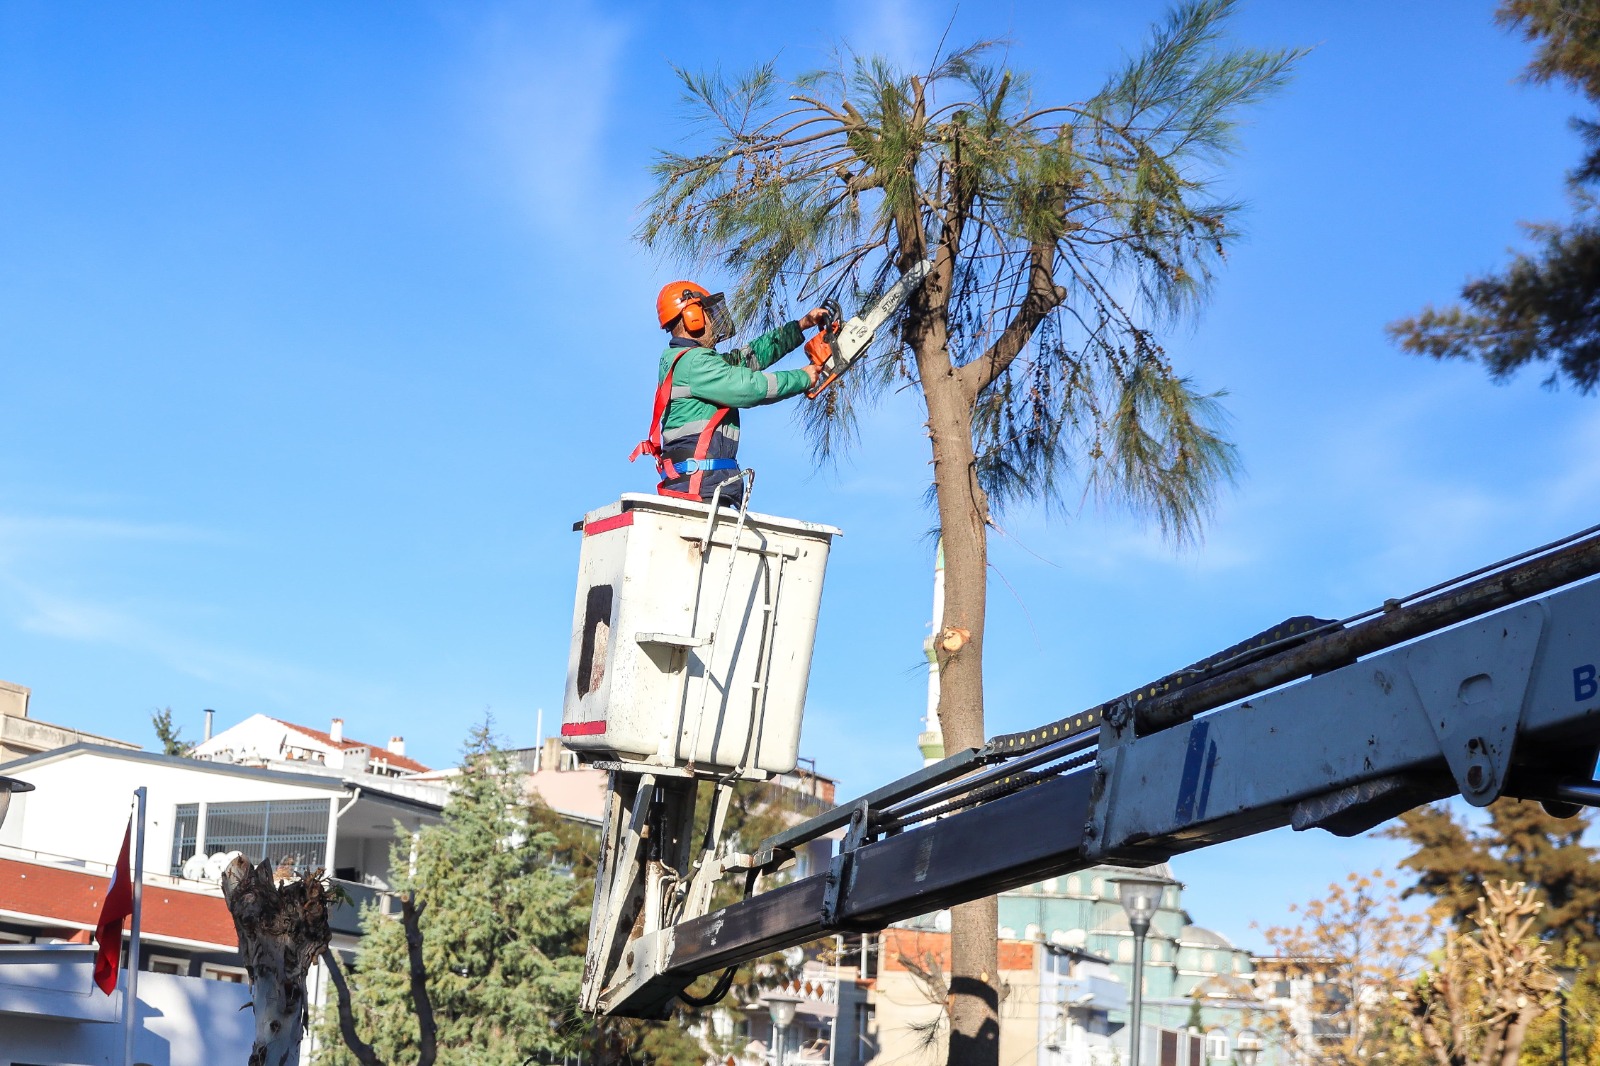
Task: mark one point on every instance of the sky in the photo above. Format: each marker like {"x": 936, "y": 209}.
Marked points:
{"x": 321, "y": 324}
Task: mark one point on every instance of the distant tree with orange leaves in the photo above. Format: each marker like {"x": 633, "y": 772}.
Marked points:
{"x": 1348, "y": 961}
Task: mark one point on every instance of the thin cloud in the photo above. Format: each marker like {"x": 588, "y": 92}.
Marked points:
{"x": 542, "y": 111}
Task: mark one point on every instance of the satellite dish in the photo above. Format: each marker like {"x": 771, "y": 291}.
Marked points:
{"x": 218, "y": 863}
{"x": 194, "y": 868}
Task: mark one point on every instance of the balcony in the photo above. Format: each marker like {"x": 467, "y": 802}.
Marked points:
{"x": 345, "y": 915}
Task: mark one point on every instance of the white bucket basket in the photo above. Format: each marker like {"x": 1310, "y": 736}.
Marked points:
{"x": 692, "y": 635}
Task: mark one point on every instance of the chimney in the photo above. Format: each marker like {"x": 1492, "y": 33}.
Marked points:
{"x": 13, "y": 700}
{"x": 397, "y": 745}
{"x": 336, "y": 731}
{"x": 550, "y": 757}
{"x": 211, "y": 717}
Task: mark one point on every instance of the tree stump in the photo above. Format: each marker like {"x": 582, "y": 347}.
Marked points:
{"x": 283, "y": 930}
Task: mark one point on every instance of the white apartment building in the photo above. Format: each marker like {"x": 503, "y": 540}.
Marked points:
{"x": 261, "y": 740}
{"x": 59, "y": 842}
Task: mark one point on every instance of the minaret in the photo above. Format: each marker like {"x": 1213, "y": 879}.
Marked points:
{"x": 932, "y": 739}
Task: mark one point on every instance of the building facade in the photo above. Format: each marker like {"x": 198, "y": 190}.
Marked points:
{"x": 22, "y": 735}
{"x": 58, "y": 842}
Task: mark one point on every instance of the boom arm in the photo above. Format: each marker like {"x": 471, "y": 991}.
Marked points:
{"x": 1504, "y": 703}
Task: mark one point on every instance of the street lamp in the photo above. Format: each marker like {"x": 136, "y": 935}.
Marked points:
{"x": 781, "y": 1004}
{"x": 1247, "y": 1047}
{"x": 1565, "y": 976}
{"x": 8, "y": 786}
{"x": 1140, "y": 898}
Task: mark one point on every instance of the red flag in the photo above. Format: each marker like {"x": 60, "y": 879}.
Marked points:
{"x": 118, "y": 906}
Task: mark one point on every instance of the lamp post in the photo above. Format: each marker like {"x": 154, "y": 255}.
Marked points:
{"x": 781, "y": 1004}
{"x": 8, "y": 787}
{"x": 1140, "y": 897}
{"x": 1565, "y": 975}
{"x": 1247, "y": 1047}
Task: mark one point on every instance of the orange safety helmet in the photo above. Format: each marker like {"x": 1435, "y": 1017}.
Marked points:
{"x": 682, "y": 298}
{"x": 698, "y": 308}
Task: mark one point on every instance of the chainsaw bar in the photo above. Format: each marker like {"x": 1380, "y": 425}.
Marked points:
{"x": 845, "y": 342}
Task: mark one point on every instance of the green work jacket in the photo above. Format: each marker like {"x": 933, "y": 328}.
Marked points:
{"x": 706, "y": 379}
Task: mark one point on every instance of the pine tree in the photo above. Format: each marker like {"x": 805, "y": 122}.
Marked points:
{"x": 1455, "y": 863}
{"x": 1544, "y": 307}
{"x": 170, "y": 736}
{"x": 1061, "y": 238}
{"x": 502, "y": 927}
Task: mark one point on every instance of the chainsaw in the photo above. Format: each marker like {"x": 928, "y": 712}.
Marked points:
{"x": 837, "y": 345}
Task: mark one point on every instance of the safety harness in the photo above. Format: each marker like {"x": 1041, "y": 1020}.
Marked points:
{"x": 697, "y": 467}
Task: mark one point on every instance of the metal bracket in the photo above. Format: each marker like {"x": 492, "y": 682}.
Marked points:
{"x": 840, "y": 868}
{"x": 1472, "y": 683}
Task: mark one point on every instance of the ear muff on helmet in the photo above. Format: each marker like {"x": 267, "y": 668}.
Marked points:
{"x": 694, "y": 316}
{"x": 675, "y": 298}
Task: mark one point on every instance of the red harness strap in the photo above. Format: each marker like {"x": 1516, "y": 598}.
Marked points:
{"x": 651, "y": 445}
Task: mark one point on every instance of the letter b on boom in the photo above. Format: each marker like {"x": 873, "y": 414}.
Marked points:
{"x": 1584, "y": 684}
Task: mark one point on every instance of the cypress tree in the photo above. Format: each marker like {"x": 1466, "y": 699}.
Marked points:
{"x": 1453, "y": 862}
{"x": 503, "y": 916}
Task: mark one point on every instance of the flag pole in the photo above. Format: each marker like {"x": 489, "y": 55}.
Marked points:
{"x": 130, "y": 994}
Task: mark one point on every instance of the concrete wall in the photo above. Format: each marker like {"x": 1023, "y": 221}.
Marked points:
{"x": 21, "y": 735}
{"x": 50, "y": 1014}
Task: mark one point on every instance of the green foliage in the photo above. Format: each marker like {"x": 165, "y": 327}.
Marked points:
{"x": 1061, "y": 236}
{"x": 1455, "y": 863}
{"x": 503, "y": 931}
{"x": 1545, "y": 306}
{"x": 1543, "y": 1046}
{"x": 170, "y": 736}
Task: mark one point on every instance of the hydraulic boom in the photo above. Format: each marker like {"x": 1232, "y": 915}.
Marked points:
{"x": 1485, "y": 686}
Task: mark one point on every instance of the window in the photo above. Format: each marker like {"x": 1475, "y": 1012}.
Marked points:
{"x": 596, "y": 637}
{"x": 1217, "y": 1044}
{"x": 14, "y": 938}
{"x": 168, "y": 964}
{"x": 279, "y": 831}
{"x": 232, "y": 974}
{"x": 185, "y": 835}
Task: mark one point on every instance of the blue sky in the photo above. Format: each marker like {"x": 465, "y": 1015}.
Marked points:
{"x": 320, "y": 325}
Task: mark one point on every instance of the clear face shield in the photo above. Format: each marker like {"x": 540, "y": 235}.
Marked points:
{"x": 718, "y": 318}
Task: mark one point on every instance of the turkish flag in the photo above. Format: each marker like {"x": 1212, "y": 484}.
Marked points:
{"x": 116, "y": 909}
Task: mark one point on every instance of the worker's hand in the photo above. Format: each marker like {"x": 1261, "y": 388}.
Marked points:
{"x": 812, "y": 371}
{"x": 820, "y": 316}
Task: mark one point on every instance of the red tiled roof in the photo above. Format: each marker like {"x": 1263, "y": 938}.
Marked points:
{"x": 379, "y": 752}
{"x": 71, "y": 897}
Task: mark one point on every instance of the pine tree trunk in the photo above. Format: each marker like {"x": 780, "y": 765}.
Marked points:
{"x": 963, "y": 515}
{"x": 282, "y": 932}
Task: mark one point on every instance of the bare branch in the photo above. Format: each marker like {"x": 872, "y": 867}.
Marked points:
{"x": 410, "y": 918}
{"x": 347, "y": 1020}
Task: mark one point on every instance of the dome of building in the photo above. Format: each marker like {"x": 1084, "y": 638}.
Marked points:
{"x": 1196, "y": 936}
{"x": 1159, "y": 870}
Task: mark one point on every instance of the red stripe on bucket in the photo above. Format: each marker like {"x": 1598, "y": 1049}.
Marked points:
{"x": 582, "y": 729}
{"x": 616, "y": 521}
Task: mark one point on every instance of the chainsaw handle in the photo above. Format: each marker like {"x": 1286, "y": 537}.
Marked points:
{"x": 819, "y": 348}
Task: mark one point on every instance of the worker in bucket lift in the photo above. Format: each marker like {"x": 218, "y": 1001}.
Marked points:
{"x": 694, "y": 428}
